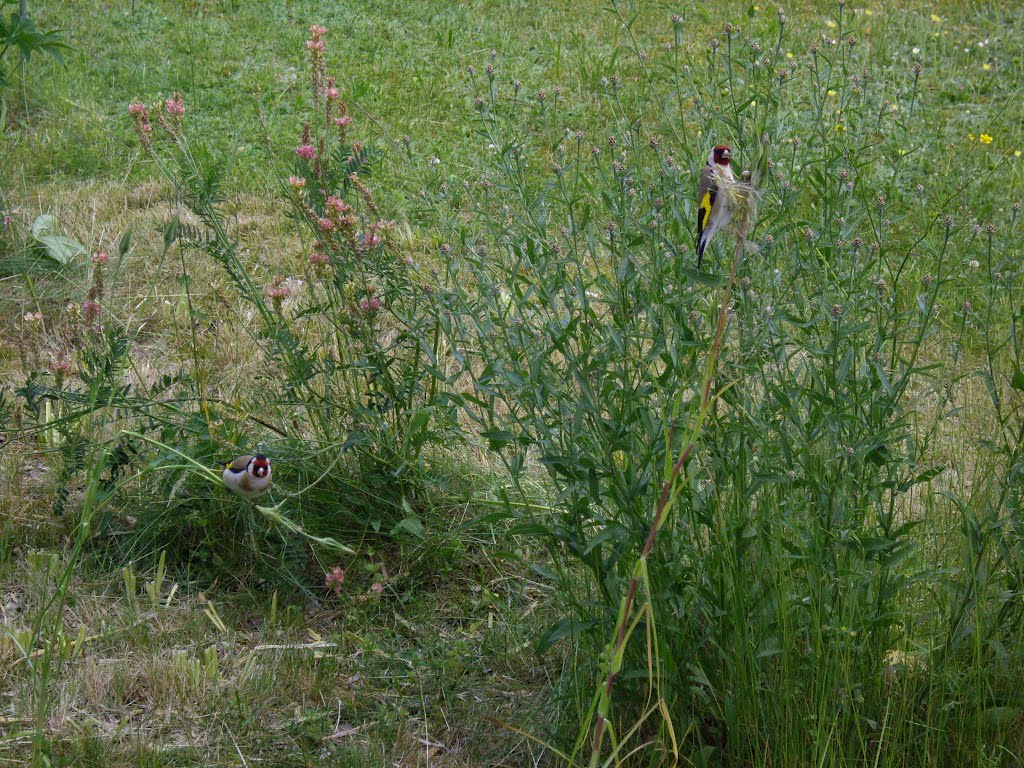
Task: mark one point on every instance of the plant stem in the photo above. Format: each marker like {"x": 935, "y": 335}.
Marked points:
{"x": 668, "y": 488}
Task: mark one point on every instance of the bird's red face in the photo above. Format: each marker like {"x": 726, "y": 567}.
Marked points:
{"x": 722, "y": 154}
{"x": 260, "y": 466}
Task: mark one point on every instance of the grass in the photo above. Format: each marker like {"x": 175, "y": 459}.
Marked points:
{"x": 839, "y": 578}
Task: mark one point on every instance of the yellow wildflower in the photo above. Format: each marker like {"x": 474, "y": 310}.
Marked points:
{"x": 985, "y": 138}
{"x": 757, "y": 7}
{"x": 895, "y": 107}
{"x": 840, "y": 128}
{"x": 970, "y": 137}
{"x": 831, "y": 24}
{"x": 1016, "y": 153}
{"x": 936, "y": 18}
{"x": 869, "y": 12}
{"x": 986, "y": 66}
{"x": 831, "y": 92}
{"x": 789, "y": 54}
{"x": 903, "y": 151}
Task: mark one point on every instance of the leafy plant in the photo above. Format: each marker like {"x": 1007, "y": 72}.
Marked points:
{"x": 18, "y": 33}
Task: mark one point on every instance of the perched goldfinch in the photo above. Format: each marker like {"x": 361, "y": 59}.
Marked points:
{"x": 248, "y": 476}
{"x": 714, "y": 209}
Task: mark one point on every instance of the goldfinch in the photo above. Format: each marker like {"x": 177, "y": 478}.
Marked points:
{"x": 248, "y": 476}
{"x": 714, "y": 210}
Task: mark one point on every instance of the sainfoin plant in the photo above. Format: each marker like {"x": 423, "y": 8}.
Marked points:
{"x": 353, "y": 358}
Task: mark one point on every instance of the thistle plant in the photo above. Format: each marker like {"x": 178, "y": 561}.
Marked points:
{"x": 782, "y": 568}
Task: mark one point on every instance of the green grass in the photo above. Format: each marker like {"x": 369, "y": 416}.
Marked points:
{"x": 839, "y": 580}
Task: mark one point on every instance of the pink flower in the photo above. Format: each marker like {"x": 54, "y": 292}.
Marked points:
{"x": 326, "y": 225}
{"x": 333, "y": 94}
{"x": 334, "y": 579}
{"x": 318, "y": 259}
{"x": 175, "y": 106}
{"x": 136, "y": 108}
{"x": 7, "y": 221}
{"x": 371, "y": 241}
{"x": 100, "y": 258}
{"x": 336, "y": 204}
{"x": 91, "y": 310}
{"x": 306, "y": 151}
{"x": 377, "y": 587}
{"x": 317, "y": 31}
{"x": 341, "y": 122}
{"x": 315, "y": 45}
{"x": 371, "y": 304}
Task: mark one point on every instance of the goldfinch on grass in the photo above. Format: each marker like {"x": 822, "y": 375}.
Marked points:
{"x": 714, "y": 208}
{"x": 248, "y": 476}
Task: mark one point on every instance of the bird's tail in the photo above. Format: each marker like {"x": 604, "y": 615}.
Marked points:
{"x": 702, "y": 245}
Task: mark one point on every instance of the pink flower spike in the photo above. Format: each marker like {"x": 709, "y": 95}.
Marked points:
{"x": 333, "y": 94}
{"x": 326, "y": 224}
{"x": 371, "y": 241}
{"x": 317, "y": 31}
{"x": 306, "y": 151}
{"x": 369, "y": 305}
{"x": 377, "y": 587}
{"x": 335, "y": 578}
{"x": 136, "y": 108}
{"x": 317, "y": 259}
{"x": 315, "y": 45}
{"x": 100, "y": 258}
{"x": 341, "y": 122}
{"x": 175, "y": 106}
{"x": 296, "y": 182}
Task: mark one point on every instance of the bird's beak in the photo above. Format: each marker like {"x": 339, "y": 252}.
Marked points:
{"x": 726, "y": 153}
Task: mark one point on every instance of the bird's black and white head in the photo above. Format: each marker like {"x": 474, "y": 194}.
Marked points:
{"x": 259, "y": 466}
{"x": 720, "y": 155}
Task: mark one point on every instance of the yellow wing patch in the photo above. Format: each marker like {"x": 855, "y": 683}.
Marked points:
{"x": 704, "y": 213}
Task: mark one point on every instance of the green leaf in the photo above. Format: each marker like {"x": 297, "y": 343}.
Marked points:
{"x": 497, "y": 438}
{"x": 1017, "y": 380}
{"x": 410, "y": 523}
{"x": 60, "y": 249}
{"x": 560, "y": 630}
{"x": 43, "y": 223}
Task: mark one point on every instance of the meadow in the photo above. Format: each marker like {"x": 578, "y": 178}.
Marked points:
{"x": 545, "y": 493}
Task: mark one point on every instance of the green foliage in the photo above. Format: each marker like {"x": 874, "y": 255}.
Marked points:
{"x": 20, "y": 35}
{"x": 785, "y": 533}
